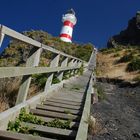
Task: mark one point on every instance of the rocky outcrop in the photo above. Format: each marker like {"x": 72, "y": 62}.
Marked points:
{"x": 129, "y": 36}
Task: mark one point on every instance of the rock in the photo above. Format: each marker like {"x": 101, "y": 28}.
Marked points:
{"x": 136, "y": 135}
{"x": 138, "y": 19}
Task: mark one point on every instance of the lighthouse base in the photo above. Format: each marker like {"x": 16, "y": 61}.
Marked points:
{"x": 65, "y": 39}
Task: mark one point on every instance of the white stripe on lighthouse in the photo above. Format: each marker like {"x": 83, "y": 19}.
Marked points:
{"x": 67, "y": 30}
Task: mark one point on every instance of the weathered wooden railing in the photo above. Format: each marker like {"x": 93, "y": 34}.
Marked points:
{"x": 69, "y": 63}
{"x": 82, "y": 133}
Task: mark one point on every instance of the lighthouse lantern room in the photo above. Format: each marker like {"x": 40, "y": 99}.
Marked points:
{"x": 69, "y": 20}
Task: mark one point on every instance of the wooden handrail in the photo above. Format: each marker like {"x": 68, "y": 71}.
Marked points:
{"x": 84, "y": 123}
{"x": 11, "y": 33}
{"x": 20, "y": 71}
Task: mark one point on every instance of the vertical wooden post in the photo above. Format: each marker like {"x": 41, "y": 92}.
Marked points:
{"x": 95, "y": 59}
{"x": 1, "y": 35}
{"x": 76, "y": 64}
{"x": 63, "y": 64}
{"x": 32, "y": 61}
{"x": 79, "y": 64}
{"x": 95, "y": 66}
{"x": 70, "y": 64}
{"x": 54, "y": 63}
{"x": 90, "y": 59}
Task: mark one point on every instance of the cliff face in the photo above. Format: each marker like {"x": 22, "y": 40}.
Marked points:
{"x": 121, "y": 58}
{"x": 129, "y": 36}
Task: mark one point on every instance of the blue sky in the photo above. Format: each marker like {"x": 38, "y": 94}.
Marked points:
{"x": 97, "y": 19}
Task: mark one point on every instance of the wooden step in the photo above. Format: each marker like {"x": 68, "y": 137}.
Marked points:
{"x": 71, "y": 93}
{"x": 59, "y": 109}
{"x": 66, "y": 99}
{"x": 8, "y": 135}
{"x": 64, "y": 102}
{"x": 48, "y": 101}
{"x": 73, "y": 124}
{"x": 55, "y": 114}
{"x": 51, "y": 131}
{"x": 63, "y": 105}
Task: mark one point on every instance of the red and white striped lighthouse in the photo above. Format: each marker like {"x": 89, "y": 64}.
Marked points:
{"x": 69, "y": 20}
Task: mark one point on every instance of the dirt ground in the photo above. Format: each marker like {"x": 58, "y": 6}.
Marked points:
{"x": 118, "y": 115}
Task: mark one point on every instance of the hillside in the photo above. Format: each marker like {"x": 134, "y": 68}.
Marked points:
{"x": 117, "y": 113}
{"x": 120, "y": 63}
{"x": 17, "y": 52}
{"x": 121, "y": 58}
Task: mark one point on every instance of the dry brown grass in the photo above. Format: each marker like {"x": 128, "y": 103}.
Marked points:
{"x": 107, "y": 67}
{"x": 8, "y": 92}
{"x": 9, "y": 89}
{"x": 33, "y": 90}
{"x": 95, "y": 126}
{"x": 3, "y": 104}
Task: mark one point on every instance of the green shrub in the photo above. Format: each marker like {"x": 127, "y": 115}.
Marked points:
{"x": 17, "y": 125}
{"x": 66, "y": 75}
{"x": 117, "y": 49}
{"x": 59, "y": 123}
{"x": 111, "y": 50}
{"x": 103, "y": 49}
{"x": 108, "y": 51}
{"x": 116, "y": 55}
{"x": 83, "y": 51}
{"x": 55, "y": 80}
{"x": 71, "y": 73}
{"x": 134, "y": 65}
{"x": 40, "y": 79}
{"x": 81, "y": 69}
{"x": 126, "y": 58}
{"x": 30, "y": 118}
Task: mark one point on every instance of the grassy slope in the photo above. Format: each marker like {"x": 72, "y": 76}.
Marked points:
{"x": 109, "y": 64}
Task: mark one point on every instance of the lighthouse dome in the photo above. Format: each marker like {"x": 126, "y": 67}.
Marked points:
{"x": 70, "y": 15}
{"x": 71, "y": 11}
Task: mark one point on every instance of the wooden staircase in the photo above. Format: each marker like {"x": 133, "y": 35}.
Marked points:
{"x": 71, "y": 101}
{"x": 66, "y": 104}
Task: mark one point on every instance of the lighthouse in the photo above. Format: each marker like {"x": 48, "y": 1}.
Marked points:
{"x": 69, "y": 20}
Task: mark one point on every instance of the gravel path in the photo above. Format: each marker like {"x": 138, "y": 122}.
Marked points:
{"x": 118, "y": 115}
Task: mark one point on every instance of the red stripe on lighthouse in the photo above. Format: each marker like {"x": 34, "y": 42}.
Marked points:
{"x": 66, "y": 36}
{"x": 68, "y": 23}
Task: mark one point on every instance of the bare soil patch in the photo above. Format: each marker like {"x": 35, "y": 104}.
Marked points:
{"x": 119, "y": 114}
